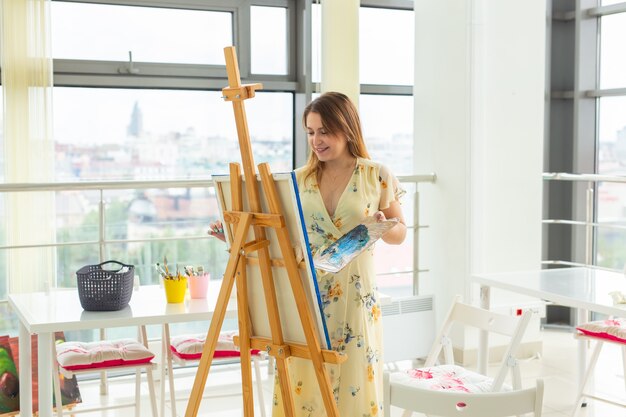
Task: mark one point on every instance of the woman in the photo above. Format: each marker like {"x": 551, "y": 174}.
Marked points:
{"x": 339, "y": 187}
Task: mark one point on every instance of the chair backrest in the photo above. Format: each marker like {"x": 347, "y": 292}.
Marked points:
{"x": 491, "y": 404}
{"x": 467, "y": 315}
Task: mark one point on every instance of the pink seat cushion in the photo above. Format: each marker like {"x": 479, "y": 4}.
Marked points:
{"x": 610, "y": 329}
{"x": 190, "y": 346}
{"x": 446, "y": 378}
{"x": 78, "y": 355}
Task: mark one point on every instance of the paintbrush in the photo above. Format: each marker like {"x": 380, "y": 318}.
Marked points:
{"x": 165, "y": 265}
{"x": 160, "y": 270}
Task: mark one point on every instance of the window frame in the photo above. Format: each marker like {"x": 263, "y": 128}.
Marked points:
{"x": 572, "y": 120}
{"x": 82, "y": 73}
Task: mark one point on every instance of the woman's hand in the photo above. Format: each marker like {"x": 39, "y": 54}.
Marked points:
{"x": 216, "y": 229}
{"x": 396, "y": 234}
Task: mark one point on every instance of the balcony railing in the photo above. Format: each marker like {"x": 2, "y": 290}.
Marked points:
{"x": 103, "y": 242}
{"x": 590, "y": 224}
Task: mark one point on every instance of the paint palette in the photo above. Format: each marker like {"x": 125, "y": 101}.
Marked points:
{"x": 339, "y": 254}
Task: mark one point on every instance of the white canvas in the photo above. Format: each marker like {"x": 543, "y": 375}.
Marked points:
{"x": 287, "y": 189}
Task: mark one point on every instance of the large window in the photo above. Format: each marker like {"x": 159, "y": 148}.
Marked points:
{"x": 588, "y": 127}
{"x": 137, "y": 96}
{"x": 160, "y": 116}
{"x": 611, "y": 119}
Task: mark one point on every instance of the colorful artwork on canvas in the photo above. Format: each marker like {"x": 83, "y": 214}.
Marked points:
{"x": 9, "y": 385}
{"x": 9, "y": 372}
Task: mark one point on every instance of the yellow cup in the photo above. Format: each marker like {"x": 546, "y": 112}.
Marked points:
{"x": 175, "y": 289}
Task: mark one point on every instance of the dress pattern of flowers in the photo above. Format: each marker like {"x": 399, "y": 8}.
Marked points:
{"x": 350, "y": 299}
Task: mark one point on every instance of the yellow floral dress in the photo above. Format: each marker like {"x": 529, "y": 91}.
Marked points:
{"x": 350, "y": 299}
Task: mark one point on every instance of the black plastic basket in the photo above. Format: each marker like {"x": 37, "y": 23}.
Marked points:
{"x": 102, "y": 289}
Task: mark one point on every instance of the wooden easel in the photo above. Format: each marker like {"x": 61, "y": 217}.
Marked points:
{"x": 236, "y": 270}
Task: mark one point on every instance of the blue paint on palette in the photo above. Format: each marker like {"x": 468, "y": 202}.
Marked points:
{"x": 348, "y": 244}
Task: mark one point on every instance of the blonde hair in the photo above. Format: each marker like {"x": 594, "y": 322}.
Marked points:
{"x": 339, "y": 117}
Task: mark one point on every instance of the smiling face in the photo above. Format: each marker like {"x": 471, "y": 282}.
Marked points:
{"x": 326, "y": 146}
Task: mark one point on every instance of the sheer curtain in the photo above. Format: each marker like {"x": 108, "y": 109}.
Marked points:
{"x": 29, "y": 148}
{"x": 340, "y": 47}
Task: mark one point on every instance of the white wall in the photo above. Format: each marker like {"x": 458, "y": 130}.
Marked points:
{"x": 479, "y": 99}
{"x": 508, "y": 152}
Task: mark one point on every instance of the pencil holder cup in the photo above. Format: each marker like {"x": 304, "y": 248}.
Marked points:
{"x": 175, "y": 289}
{"x": 198, "y": 285}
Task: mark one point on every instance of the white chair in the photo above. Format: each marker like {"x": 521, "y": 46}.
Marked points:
{"x": 460, "y": 404}
{"x": 185, "y": 349}
{"x": 74, "y": 358}
{"x": 403, "y": 388}
{"x": 612, "y": 330}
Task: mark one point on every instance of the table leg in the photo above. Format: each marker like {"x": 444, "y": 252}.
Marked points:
{"x": 44, "y": 379}
{"x": 26, "y": 386}
{"x": 582, "y": 316}
{"x": 483, "y": 342}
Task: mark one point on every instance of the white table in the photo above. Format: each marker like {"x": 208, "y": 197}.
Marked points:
{"x": 586, "y": 289}
{"x": 44, "y": 313}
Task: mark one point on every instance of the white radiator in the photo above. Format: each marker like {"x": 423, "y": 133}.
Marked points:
{"x": 408, "y": 327}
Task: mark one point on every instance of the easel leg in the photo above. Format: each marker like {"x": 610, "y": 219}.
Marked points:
{"x": 277, "y": 347}
{"x": 274, "y": 318}
{"x": 285, "y": 386}
{"x": 218, "y": 316}
{"x": 244, "y": 342}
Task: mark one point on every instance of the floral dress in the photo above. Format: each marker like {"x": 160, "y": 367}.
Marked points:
{"x": 350, "y": 299}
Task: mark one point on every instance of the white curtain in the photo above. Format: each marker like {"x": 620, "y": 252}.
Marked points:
{"x": 340, "y": 47}
{"x": 29, "y": 148}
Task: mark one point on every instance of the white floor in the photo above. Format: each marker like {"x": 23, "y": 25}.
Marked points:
{"x": 557, "y": 367}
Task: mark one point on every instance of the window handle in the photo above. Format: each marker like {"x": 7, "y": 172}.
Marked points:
{"x": 130, "y": 69}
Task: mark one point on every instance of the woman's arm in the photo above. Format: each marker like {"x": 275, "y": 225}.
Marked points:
{"x": 396, "y": 234}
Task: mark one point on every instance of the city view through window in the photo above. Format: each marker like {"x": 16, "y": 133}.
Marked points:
{"x": 163, "y": 134}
